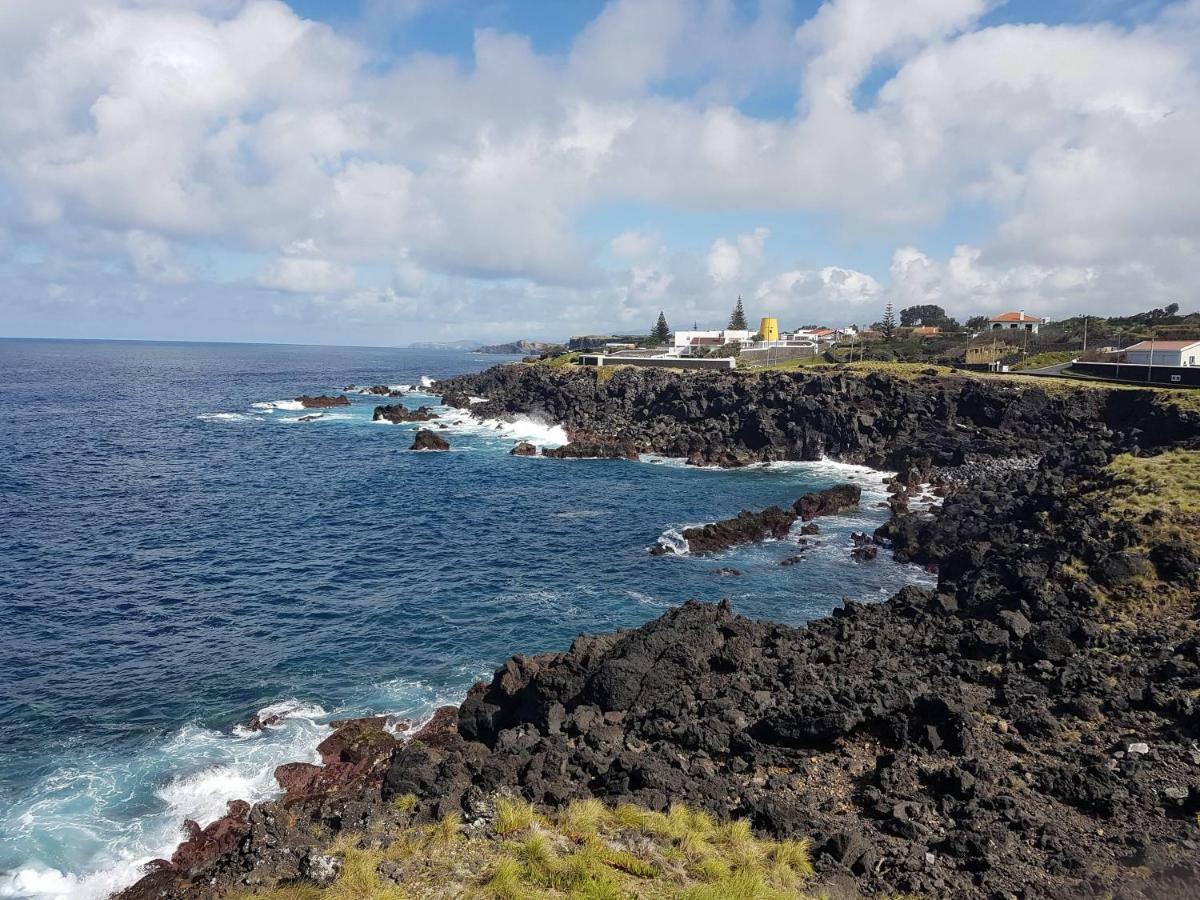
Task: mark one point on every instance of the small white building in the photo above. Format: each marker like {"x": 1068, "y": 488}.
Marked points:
{"x": 1017, "y": 321}
{"x": 683, "y": 341}
{"x": 1164, "y": 353}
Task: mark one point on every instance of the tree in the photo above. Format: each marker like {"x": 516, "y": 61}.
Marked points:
{"x": 887, "y": 327}
{"x": 926, "y": 314}
{"x": 661, "y": 333}
{"x": 737, "y": 321}
{"x": 977, "y": 323}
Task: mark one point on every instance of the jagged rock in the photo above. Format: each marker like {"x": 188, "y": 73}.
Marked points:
{"x": 398, "y": 413}
{"x": 523, "y": 448}
{"x": 322, "y": 402}
{"x": 836, "y": 499}
{"x": 971, "y": 740}
{"x": 593, "y": 450}
{"x": 429, "y": 440}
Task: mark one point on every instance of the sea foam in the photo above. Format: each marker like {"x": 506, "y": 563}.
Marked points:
{"x": 97, "y": 829}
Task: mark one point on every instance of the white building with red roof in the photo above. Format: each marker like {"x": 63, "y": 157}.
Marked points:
{"x": 1017, "y": 321}
{"x": 1164, "y": 353}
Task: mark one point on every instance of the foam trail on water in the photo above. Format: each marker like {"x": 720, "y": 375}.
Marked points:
{"x": 279, "y": 404}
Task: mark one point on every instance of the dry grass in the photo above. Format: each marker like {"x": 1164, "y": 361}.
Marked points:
{"x": 586, "y": 851}
{"x": 1160, "y": 497}
{"x": 1168, "y": 483}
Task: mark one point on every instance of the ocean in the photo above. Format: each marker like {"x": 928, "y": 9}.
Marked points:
{"x": 178, "y": 551}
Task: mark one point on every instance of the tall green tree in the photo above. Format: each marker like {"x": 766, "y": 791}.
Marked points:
{"x": 661, "y": 333}
{"x": 926, "y": 314}
{"x": 887, "y": 327}
{"x": 737, "y": 321}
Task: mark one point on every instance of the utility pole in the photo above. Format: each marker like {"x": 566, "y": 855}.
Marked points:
{"x": 1085, "y": 318}
{"x": 1150, "y": 368}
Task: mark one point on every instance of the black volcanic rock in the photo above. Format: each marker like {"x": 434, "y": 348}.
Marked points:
{"x": 744, "y": 528}
{"x": 429, "y": 440}
{"x": 593, "y": 450}
{"x": 771, "y": 523}
{"x": 523, "y": 448}
{"x": 398, "y": 413}
{"x": 839, "y": 498}
{"x": 1015, "y": 731}
{"x": 322, "y": 402}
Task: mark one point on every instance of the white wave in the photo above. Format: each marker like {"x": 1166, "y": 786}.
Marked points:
{"x": 674, "y": 540}
{"x": 521, "y": 428}
{"x": 279, "y": 404}
{"x": 427, "y": 382}
{"x": 221, "y": 417}
{"x": 647, "y": 600}
{"x": 316, "y": 417}
{"x": 474, "y": 400}
{"x": 86, "y": 825}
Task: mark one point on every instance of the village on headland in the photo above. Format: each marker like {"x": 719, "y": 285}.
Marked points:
{"x": 1159, "y": 346}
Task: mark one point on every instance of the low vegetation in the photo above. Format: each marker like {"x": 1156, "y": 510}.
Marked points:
{"x": 1042, "y": 360}
{"x": 587, "y": 851}
{"x": 1167, "y": 485}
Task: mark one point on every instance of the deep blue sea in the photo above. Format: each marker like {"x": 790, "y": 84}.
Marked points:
{"x": 178, "y": 552}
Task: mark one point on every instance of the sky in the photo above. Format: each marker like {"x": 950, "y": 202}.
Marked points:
{"x": 385, "y": 171}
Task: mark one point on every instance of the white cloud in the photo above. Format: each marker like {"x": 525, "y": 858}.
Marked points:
{"x": 152, "y": 132}
{"x": 727, "y": 261}
{"x": 634, "y": 245}
{"x": 153, "y": 259}
{"x": 307, "y": 276}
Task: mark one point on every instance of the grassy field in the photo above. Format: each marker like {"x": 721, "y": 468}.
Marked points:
{"x": 586, "y": 851}
{"x": 1041, "y": 360}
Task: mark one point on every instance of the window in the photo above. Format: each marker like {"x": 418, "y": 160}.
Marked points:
{"x": 1176, "y": 377}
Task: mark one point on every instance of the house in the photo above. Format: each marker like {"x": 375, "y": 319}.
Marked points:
{"x": 924, "y": 331}
{"x": 1016, "y": 321}
{"x": 1164, "y": 353}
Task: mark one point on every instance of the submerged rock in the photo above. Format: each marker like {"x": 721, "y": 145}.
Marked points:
{"x": 429, "y": 440}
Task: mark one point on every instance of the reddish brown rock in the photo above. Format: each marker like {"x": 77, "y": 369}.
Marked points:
{"x": 440, "y": 730}
{"x": 524, "y": 448}
{"x": 203, "y": 845}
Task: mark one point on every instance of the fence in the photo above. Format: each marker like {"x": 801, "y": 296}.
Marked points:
{"x": 1171, "y": 376}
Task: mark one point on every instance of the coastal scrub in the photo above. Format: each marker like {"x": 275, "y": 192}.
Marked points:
{"x": 585, "y": 850}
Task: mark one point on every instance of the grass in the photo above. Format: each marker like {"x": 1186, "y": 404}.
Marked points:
{"x": 903, "y": 370}
{"x": 1160, "y": 497}
{"x": 1169, "y": 482}
{"x": 1049, "y": 358}
{"x": 585, "y": 851}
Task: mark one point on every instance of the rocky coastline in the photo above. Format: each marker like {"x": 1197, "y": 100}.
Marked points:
{"x": 1029, "y": 727}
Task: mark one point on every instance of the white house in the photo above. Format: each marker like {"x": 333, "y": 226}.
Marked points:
{"x": 1016, "y": 321}
{"x": 1164, "y": 353}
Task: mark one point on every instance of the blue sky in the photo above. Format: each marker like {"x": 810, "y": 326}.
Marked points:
{"x": 394, "y": 170}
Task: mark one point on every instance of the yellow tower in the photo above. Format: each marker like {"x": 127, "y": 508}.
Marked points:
{"x": 768, "y": 329}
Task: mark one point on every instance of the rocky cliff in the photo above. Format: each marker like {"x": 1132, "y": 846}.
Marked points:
{"x": 887, "y": 422}
{"x": 1028, "y": 728}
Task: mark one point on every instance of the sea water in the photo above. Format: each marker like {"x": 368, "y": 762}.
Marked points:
{"x": 178, "y": 551}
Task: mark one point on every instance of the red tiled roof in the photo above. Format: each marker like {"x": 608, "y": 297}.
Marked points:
{"x": 1015, "y": 317}
{"x": 1163, "y": 345}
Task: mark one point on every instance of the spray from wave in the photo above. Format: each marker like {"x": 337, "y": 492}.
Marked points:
{"x": 90, "y": 827}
